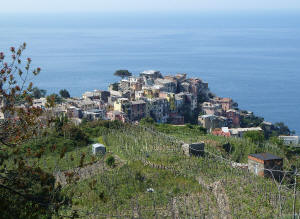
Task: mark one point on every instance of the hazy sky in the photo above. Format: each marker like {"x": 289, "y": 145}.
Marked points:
{"x": 142, "y": 5}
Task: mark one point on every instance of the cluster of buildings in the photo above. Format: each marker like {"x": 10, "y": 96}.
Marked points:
{"x": 219, "y": 112}
{"x": 166, "y": 99}
{"x": 163, "y": 98}
{"x": 221, "y": 117}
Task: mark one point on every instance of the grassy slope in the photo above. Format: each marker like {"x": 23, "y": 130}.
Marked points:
{"x": 152, "y": 158}
{"x": 155, "y": 160}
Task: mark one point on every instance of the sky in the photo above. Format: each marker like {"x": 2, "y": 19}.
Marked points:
{"x": 56, "y": 6}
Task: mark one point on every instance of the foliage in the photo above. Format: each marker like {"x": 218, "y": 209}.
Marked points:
{"x": 250, "y": 120}
{"x": 179, "y": 130}
{"x": 64, "y": 93}
{"x": 275, "y": 130}
{"x": 38, "y": 93}
{"x": 100, "y": 140}
{"x": 255, "y": 136}
{"x": 153, "y": 156}
{"x": 281, "y": 129}
{"x": 110, "y": 161}
{"x": 123, "y": 73}
{"x": 147, "y": 121}
{"x": 54, "y": 99}
{"x": 26, "y": 190}
{"x": 38, "y": 189}
{"x": 115, "y": 86}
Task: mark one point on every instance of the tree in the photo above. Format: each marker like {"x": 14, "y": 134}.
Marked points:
{"x": 123, "y": 73}
{"x": 250, "y": 120}
{"x": 147, "y": 121}
{"x": 26, "y": 191}
{"x": 38, "y": 93}
{"x": 64, "y": 93}
{"x": 54, "y": 98}
{"x": 282, "y": 129}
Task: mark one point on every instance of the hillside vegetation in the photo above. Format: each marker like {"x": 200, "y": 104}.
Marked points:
{"x": 151, "y": 178}
{"x": 145, "y": 174}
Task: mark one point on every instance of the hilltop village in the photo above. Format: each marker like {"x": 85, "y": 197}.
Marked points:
{"x": 173, "y": 99}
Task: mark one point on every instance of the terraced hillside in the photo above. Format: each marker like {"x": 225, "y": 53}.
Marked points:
{"x": 152, "y": 178}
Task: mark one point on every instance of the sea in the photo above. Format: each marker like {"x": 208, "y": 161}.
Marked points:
{"x": 250, "y": 56}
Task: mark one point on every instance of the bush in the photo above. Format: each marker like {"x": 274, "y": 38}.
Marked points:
{"x": 110, "y": 161}
{"x": 255, "y": 136}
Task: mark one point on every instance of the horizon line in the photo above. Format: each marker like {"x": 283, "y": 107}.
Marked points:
{"x": 151, "y": 11}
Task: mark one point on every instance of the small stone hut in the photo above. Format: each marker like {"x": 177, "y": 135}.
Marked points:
{"x": 98, "y": 148}
{"x": 265, "y": 165}
{"x": 194, "y": 149}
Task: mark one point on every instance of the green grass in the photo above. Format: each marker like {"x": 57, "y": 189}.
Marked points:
{"x": 154, "y": 159}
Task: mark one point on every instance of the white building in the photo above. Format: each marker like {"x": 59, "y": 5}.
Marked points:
{"x": 239, "y": 132}
{"x": 290, "y": 140}
{"x": 98, "y": 148}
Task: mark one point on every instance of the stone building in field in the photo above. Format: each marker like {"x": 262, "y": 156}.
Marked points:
{"x": 265, "y": 165}
{"x": 194, "y": 149}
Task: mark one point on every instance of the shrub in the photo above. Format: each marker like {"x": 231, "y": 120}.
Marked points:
{"x": 110, "y": 161}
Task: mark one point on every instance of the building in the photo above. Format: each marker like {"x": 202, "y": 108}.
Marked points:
{"x": 181, "y": 77}
{"x": 124, "y": 85}
{"x": 265, "y": 165}
{"x": 138, "y": 110}
{"x": 136, "y": 83}
{"x": 40, "y": 103}
{"x": 166, "y": 85}
{"x": 211, "y": 109}
{"x": 239, "y": 132}
{"x": 159, "y": 109}
{"x": 74, "y": 112}
{"x": 98, "y": 148}
{"x": 150, "y": 74}
{"x": 116, "y": 115}
{"x": 191, "y": 100}
{"x": 119, "y": 103}
{"x": 184, "y": 87}
{"x": 179, "y": 101}
{"x": 198, "y": 87}
{"x": 195, "y": 149}
{"x": 226, "y": 103}
{"x": 290, "y": 140}
{"x": 220, "y": 132}
{"x": 233, "y": 117}
{"x": 211, "y": 122}
{"x": 94, "y": 114}
{"x": 96, "y": 95}
{"x": 151, "y": 91}
{"x": 171, "y": 98}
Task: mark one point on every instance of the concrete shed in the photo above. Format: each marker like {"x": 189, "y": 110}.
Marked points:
{"x": 194, "y": 149}
{"x": 265, "y": 165}
{"x": 98, "y": 148}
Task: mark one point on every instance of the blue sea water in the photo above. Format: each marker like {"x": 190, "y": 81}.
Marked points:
{"x": 252, "y": 57}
